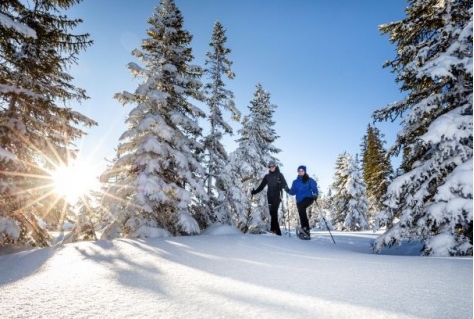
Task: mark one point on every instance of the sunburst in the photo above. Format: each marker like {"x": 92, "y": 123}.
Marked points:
{"x": 74, "y": 180}
{"x": 49, "y": 187}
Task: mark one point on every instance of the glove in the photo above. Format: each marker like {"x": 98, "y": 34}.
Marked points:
{"x": 253, "y": 192}
{"x": 315, "y": 197}
{"x": 287, "y": 189}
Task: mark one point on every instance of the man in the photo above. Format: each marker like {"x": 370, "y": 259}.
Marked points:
{"x": 275, "y": 182}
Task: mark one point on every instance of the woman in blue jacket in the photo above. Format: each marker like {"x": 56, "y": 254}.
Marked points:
{"x": 306, "y": 191}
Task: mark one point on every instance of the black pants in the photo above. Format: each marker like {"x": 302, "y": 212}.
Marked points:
{"x": 273, "y": 205}
{"x": 302, "y": 206}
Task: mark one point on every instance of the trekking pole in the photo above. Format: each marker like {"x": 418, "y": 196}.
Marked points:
{"x": 286, "y": 216}
{"x": 283, "y": 210}
{"x": 325, "y": 222}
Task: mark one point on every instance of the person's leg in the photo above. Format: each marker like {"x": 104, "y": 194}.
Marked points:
{"x": 274, "y": 225}
{"x": 302, "y": 206}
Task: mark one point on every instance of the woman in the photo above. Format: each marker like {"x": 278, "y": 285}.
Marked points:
{"x": 306, "y": 191}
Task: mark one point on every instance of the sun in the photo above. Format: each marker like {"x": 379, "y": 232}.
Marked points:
{"x": 71, "y": 182}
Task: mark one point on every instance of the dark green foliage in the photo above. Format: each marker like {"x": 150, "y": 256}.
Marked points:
{"x": 376, "y": 167}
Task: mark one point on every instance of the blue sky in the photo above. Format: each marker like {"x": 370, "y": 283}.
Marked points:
{"x": 321, "y": 62}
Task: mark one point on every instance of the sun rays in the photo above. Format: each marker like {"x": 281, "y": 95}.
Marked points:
{"x": 48, "y": 184}
{"x": 73, "y": 181}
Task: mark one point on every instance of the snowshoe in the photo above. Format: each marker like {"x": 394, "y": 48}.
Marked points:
{"x": 303, "y": 234}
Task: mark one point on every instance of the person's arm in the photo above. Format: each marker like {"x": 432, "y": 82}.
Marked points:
{"x": 261, "y": 186}
{"x": 314, "y": 189}
{"x": 292, "y": 190}
{"x": 284, "y": 185}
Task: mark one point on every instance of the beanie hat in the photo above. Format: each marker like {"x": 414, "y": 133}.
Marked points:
{"x": 302, "y": 167}
{"x": 271, "y": 163}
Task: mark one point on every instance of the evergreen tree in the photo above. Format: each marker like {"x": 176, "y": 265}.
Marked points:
{"x": 218, "y": 98}
{"x": 84, "y": 227}
{"x": 349, "y": 198}
{"x": 236, "y": 207}
{"x": 376, "y": 167}
{"x": 358, "y": 206}
{"x": 156, "y": 182}
{"x": 38, "y": 128}
{"x": 337, "y": 184}
{"x": 432, "y": 200}
{"x": 249, "y": 161}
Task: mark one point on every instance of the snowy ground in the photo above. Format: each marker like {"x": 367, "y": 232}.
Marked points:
{"x": 225, "y": 274}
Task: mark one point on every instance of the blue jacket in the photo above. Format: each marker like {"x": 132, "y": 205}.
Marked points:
{"x": 303, "y": 190}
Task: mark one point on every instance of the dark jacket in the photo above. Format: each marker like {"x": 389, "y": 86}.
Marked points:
{"x": 275, "y": 181}
{"x": 303, "y": 189}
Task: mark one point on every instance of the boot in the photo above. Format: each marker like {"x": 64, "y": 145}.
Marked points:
{"x": 306, "y": 232}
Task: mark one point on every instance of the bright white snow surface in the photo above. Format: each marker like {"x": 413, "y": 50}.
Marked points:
{"x": 225, "y": 274}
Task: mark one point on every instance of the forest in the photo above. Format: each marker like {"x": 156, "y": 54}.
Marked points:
{"x": 170, "y": 177}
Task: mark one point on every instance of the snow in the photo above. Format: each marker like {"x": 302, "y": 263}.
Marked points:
{"x": 19, "y": 27}
{"x": 223, "y": 273}
{"x": 6, "y": 155}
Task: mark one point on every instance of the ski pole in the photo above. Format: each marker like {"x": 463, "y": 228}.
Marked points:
{"x": 287, "y": 215}
{"x": 325, "y": 222}
{"x": 283, "y": 211}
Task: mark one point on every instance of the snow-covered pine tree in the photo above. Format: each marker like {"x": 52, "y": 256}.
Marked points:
{"x": 432, "y": 200}
{"x": 156, "y": 183}
{"x": 218, "y": 98}
{"x": 84, "y": 228}
{"x": 37, "y": 125}
{"x": 236, "y": 199}
{"x": 249, "y": 161}
{"x": 376, "y": 167}
{"x": 339, "y": 180}
{"x": 349, "y": 195}
{"x": 358, "y": 206}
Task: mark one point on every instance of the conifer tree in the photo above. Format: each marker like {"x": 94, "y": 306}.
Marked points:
{"x": 218, "y": 98}
{"x": 156, "y": 183}
{"x": 349, "y": 195}
{"x": 84, "y": 227}
{"x": 250, "y": 160}
{"x": 432, "y": 200}
{"x": 339, "y": 179}
{"x": 376, "y": 167}
{"x": 38, "y": 127}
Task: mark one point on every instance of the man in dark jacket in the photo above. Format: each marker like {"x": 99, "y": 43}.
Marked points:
{"x": 275, "y": 182}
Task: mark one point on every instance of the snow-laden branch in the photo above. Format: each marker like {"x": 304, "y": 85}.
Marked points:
{"x": 21, "y": 28}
